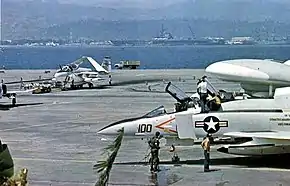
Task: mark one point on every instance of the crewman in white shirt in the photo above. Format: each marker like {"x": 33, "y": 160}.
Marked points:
{"x": 202, "y": 87}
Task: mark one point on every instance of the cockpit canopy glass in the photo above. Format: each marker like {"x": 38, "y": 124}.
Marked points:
{"x": 176, "y": 92}
{"x": 73, "y": 65}
{"x": 211, "y": 88}
{"x": 159, "y": 111}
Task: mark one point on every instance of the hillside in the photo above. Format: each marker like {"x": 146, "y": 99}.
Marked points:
{"x": 146, "y": 29}
{"x": 35, "y": 19}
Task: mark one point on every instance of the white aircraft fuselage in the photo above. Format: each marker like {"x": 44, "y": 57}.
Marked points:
{"x": 265, "y": 121}
{"x": 145, "y": 126}
{"x": 79, "y": 76}
{"x": 258, "y": 77}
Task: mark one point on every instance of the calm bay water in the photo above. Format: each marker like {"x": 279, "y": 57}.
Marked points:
{"x": 150, "y": 57}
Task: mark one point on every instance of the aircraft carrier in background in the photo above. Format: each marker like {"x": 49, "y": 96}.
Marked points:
{"x": 165, "y": 38}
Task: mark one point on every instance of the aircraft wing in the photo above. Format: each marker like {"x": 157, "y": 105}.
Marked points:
{"x": 78, "y": 61}
{"x": 97, "y": 67}
{"x": 20, "y": 91}
{"x": 279, "y": 135}
{"x": 262, "y": 143}
{"x": 28, "y": 81}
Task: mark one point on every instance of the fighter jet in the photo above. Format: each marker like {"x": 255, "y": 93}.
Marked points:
{"x": 262, "y": 123}
{"x": 258, "y": 77}
{"x": 78, "y": 76}
{"x": 159, "y": 120}
{"x": 156, "y": 120}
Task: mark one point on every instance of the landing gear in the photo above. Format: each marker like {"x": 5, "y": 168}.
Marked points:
{"x": 13, "y": 99}
{"x": 270, "y": 90}
{"x": 91, "y": 85}
{"x": 175, "y": 158}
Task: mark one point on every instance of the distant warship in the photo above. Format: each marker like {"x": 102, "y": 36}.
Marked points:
{"x": 166, "y": 38}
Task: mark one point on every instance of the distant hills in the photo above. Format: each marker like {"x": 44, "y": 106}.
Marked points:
{"x": 46, "y": 19}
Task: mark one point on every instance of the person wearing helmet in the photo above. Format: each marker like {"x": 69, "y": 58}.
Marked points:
{"x": 154, "y": 147}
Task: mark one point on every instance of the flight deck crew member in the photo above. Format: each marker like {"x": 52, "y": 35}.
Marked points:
{"x": 154, "y": 146}
{"x": 215, "y": 102}
{"x": 206, "y": 150}
{"x": 110, "y": 79}
{"x": 202, "y": 86}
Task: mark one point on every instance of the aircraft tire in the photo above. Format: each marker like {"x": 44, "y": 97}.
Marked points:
{"x": 13, "y": 101}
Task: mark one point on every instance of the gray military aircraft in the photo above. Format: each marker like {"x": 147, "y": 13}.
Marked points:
{"x": 263, "y": 123}
{"x": 78, "y": 76}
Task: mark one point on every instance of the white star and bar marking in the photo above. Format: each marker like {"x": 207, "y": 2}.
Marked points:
{"x": 213, "y": 124}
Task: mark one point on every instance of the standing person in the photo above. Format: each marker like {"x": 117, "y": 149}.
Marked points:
{"x": 1, "y": 90}
{"x": 214, "y": 102}
{"x": 202, "y": 86}
{"x": 4, "y": 88}
{"x": 206, "y": 150}
{"x": 154, "y": 146}
{"x": 110, "y": 79}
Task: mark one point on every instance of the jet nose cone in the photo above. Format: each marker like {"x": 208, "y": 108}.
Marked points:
{"x": 109, "y": 130}
{"x": 105, "y": 132}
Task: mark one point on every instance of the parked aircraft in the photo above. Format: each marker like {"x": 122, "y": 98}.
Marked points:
{"x": 258, "y": 77}
{"x": 4, "y": 92}
{"x": 264, "y": 123}
{"x": 78, "y": 76}
{"x": 160, "y": 120}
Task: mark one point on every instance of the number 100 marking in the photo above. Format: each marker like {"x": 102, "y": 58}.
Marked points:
{"x": 144, "y": 128}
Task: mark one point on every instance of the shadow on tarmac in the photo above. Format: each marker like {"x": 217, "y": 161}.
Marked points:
{"x": 269, "y": 161}
{"x": 5, "y": 107}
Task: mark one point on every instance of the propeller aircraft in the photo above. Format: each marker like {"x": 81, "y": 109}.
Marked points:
{"x": 78, "y": 76}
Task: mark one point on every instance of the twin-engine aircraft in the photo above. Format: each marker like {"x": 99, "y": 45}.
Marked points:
{"x": 258, "y": 77}
{"x": 78, "y": 76}
{"x": 159, "y": 120}
{"x": 264, "y": 123}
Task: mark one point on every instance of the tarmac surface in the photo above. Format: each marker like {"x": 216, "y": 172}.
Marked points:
{"x": 56, "y": 139}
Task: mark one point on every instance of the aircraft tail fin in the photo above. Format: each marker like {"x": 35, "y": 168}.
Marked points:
{"x": 107, "y": 64}
{"x": 97, "y": 67}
